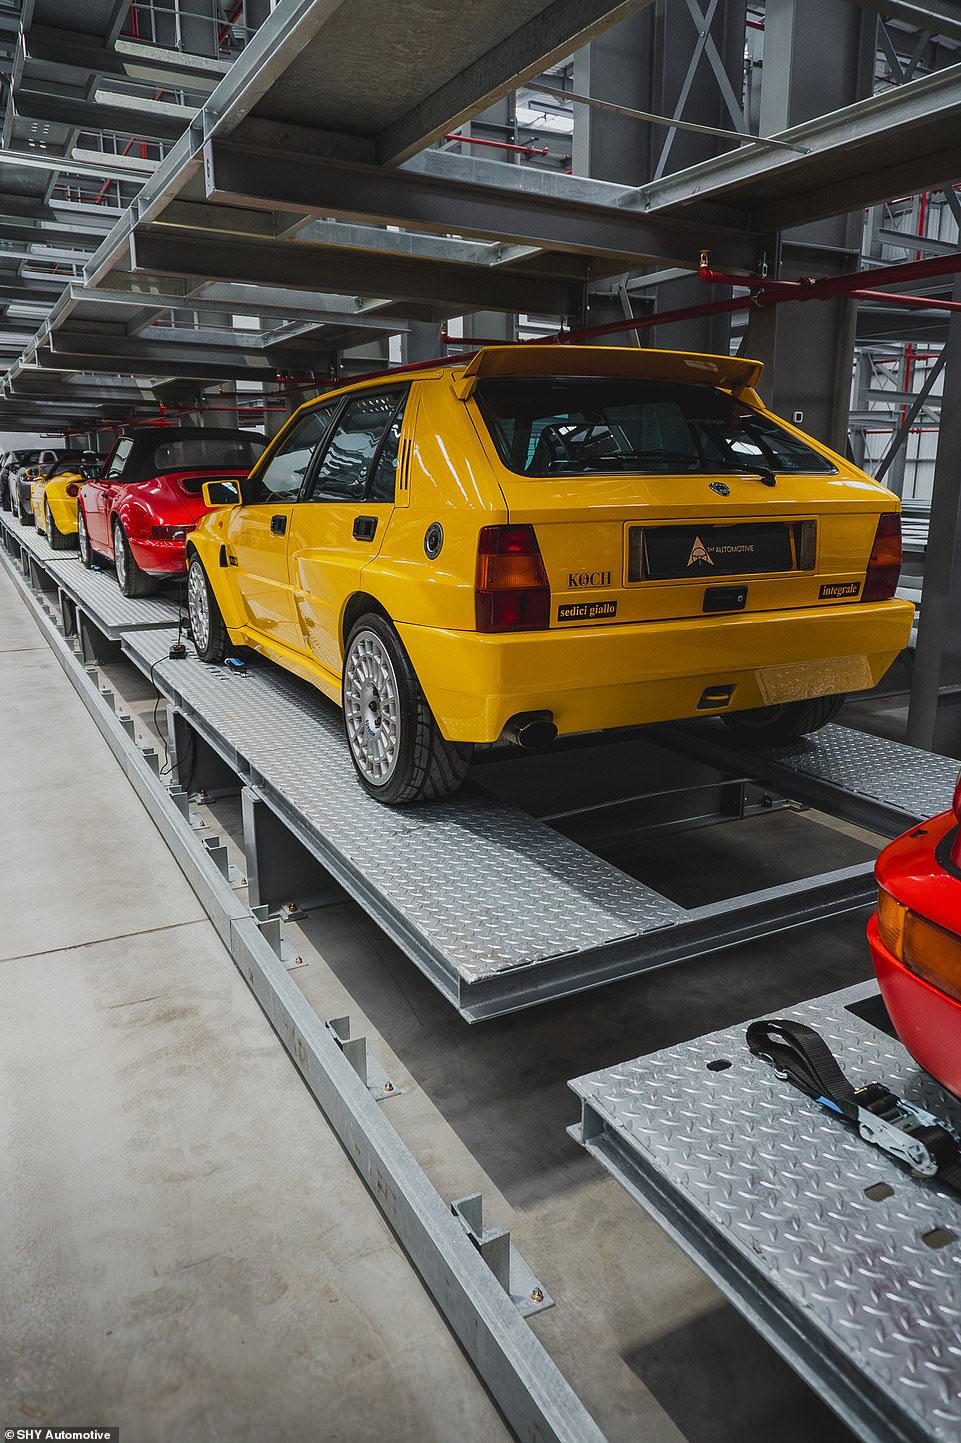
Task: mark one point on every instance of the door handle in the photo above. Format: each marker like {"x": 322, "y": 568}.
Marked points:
{"x": 365, "y": 528}
{"x": 278, "y": 525}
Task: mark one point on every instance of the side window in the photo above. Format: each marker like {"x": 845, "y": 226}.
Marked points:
{"x": 355, "y": 447}
{"x": 284, "y": 473}
{"x": 384, "y": 478}
{"x": 121, "y": 452}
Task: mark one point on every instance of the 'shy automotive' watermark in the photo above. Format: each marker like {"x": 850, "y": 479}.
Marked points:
{"x": 47, "y": 1434}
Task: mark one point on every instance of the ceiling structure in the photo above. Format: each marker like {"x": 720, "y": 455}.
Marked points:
{"x": 194, "y": 195}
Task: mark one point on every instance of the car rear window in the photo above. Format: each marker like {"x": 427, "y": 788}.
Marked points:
{"x": 585, "y": 426}
{"x": 183, "y": 454}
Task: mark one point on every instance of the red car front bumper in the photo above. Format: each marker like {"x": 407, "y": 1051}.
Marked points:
{"x": 927, "y": 1021}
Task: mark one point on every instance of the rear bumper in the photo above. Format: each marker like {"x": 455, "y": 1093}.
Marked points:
{"x": 596, "y": 678}
{"x": 928, "y": 1022}
{"x": 159, "y": 558}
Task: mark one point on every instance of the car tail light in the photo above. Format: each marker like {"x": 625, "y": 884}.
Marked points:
{"x": 924, "y": 948}
{"x": 884, "y": 568}
{"x": 72, "y": 489}
{"x": 512, "y": 592}
{"x": 170, "y": 533}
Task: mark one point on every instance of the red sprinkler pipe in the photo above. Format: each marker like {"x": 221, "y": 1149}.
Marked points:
{"x": 499, "y": 144}
{"x": 921, "y": 303}
{"x": 809, "y": 288}
{"x": 607, "y": 328}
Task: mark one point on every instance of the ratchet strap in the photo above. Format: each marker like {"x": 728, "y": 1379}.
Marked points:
{"x": 928, "y": 1145}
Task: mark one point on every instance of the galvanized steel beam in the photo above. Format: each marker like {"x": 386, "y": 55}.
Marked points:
{"x": 349, "y": 272}
{"x": 896, "y": 142}
{"x": 142, "y": 120}
{"x": 238, "y": 175}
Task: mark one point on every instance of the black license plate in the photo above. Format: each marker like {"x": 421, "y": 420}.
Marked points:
{"x": 671, "y": 552}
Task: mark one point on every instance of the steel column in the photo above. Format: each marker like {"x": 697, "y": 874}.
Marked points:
{"x": 934, "y": 718}
{"x": 803, "y": 78}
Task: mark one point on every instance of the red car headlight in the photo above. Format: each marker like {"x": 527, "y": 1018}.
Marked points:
{"x": 924, "y": 948}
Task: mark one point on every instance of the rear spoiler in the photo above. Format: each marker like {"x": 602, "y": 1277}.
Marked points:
{"x": 731, "y": 373}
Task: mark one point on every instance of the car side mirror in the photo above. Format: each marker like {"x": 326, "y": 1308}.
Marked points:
{"x": 221, "y": 493}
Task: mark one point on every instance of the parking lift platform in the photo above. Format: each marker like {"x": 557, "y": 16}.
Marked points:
{"x": 95, "y": 594}
{"x": 847, "y": 1264}
{"x": 496, "y": 907}
{"x": 872, "y": 781}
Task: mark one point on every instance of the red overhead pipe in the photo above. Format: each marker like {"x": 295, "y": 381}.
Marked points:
{"x": 499, "y": 144}
{"x": 810, "y": 288}
{"x": 921, "y": 303}
{"x": 231, "y": 21}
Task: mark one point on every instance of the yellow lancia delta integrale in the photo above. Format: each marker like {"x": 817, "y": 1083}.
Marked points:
{"x": 545, "y": 540}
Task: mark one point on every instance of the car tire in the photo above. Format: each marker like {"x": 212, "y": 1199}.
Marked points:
{"x": 88, "y": 556}
{"x": 206, "y": 620}
{"x": 57, "y": 539}
{"x": 769, "y": 725}
{"x": 5, "y": 494}
{"x": 132, "y": 581}
{"x": 26, "y": 518}
{"x": 395, "y": 744}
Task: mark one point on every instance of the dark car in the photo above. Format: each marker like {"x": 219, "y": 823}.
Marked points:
{"x": 9, "y": 466}
{"x": 138, "y": 512}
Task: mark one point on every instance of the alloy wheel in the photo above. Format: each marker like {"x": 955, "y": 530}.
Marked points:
{"x": 119, "y": 557}
{"x": 372, "y": 708}
{"x": 83, "y": 540}
{"x": 198, "y": 605}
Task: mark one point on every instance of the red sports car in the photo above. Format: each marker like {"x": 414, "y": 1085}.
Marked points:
{"x": 138, "y": 512}
{"x": 915, "y": 939}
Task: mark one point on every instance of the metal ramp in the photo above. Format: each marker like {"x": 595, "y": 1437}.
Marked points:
{"x": 848, "y": 1266}
{"x": 94, "y": 593}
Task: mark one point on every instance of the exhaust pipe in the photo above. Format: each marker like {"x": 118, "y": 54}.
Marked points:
{"x": 531, "y": 730}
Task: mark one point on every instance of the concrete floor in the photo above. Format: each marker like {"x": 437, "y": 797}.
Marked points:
{"x": 185, "y": 1251}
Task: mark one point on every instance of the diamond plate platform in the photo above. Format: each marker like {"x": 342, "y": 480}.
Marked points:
{"x": 770, "y": 1196}
{"x": 876, "y": 782}
{"x": 499, "y": 910}
{"x": 95, "y": 592}
{"x": 98, "y": 594}
{"x": 28, "y": 538}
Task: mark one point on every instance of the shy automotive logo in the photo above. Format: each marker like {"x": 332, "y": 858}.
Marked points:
{"x": 699, "y": 552}
{"x": 577, "y": 580}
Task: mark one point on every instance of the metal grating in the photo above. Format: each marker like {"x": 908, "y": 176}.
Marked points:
{"x": 768, "y": 1193}
{"x": 99, "y": 595}
{"x": 486, "y": 887}
{"x": 29, "y": 539}
{"x": 886, "y": 771}
{"x": 96, "y": 592}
